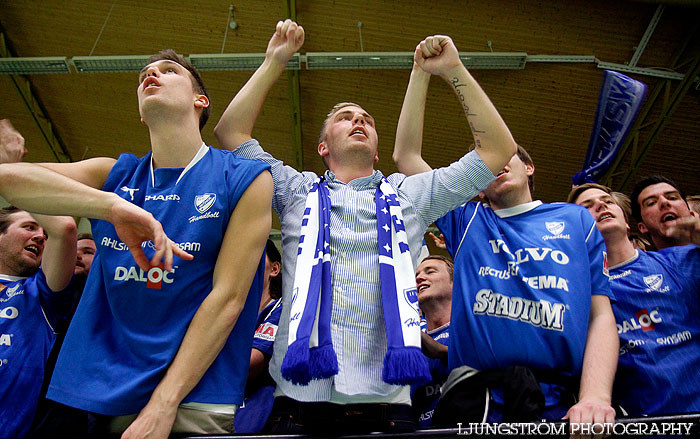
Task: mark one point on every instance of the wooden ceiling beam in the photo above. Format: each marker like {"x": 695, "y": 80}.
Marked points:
{"x": 34, "y": 105}
{"x": 668, "y": 105}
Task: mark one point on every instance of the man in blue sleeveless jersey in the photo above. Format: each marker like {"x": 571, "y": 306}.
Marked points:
{"x": 37, "y": 255}
{"x": 161, "y": 346}
{"x": 661, "y": 211}
{"x": 356, "y": 397}
{"x": 530, "y": 302}
{"x": 657, "y": 303}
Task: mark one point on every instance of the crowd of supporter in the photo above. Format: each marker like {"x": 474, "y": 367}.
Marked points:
{"x": 180, "y": 316}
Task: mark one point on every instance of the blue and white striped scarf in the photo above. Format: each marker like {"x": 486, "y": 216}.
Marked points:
{"x": 310, "y": 354}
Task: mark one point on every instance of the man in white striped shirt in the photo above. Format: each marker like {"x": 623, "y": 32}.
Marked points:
{"x": 357, "y": 400}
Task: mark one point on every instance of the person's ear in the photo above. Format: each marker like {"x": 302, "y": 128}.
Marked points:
{"x": 642, "y": 228}
{"x": 275, "y": 268}
{"x": 201, "y": 101}
{"x": 323, "y": 149}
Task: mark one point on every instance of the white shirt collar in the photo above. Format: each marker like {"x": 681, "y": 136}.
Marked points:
{"x": 517, "y": 210}
{"x": 202, "y": 151}
{"x": 11, "y": 278}
{"x": 623, "y": 263}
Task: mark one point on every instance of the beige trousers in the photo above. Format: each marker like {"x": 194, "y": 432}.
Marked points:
{"x": 187, "y": 420}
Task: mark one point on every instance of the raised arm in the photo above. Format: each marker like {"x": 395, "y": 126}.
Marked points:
{"x": 599, "y": 365}
{"x": 11, "y": 143}
{"x": 236, "y": 124}
{"x": 41, "y": 190}
{"x": 218, "y": 313}
{"x": 438, "y": 55}
{"x": 409, "y": 130}
{"x": 58, "y": 260}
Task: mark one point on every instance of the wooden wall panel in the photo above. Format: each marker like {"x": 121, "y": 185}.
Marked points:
{"x": 549, "y": 107}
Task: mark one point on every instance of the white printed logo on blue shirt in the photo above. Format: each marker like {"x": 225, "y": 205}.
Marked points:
{"x": 130, "y": 191}
{"x": 204, "y": 202}
{"x": 655, "y": 282}
{"x": 555, "y": 228}
{"x": 11, "y": 292}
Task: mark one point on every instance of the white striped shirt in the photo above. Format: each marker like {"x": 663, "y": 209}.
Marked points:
{"x": 357, "y": 321}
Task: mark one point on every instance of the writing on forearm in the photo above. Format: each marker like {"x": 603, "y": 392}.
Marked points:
{"x": 456, "y": 84}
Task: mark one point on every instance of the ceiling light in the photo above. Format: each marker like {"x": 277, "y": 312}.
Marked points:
{"x": 359, "y": 60}
{"x": 34, "y": 65}
{"x": 404, "y": 60}
{"x": 236, "y": 61}
{"x": 493, "y": 60}
{"x": 107, "y": 64}
{"x": 562, "y": 58}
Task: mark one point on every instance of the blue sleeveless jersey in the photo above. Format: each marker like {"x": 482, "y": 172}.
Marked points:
{"x": 129, "y": 323}
{"x": 523, "y": 286}
{"x": 29, "y": 312}
{"x": 658, "y": 320}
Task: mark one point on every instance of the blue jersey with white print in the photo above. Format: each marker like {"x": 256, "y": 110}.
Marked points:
{"x": 29, "y": 312}
{"x": 252, "y": 416}
{"x": 266, "y": 331}
{"x": 523, "y": 282}
{"x": 424, "y": 398}
{"x": 657, "y": 309}
{"x": 129, "y": 324}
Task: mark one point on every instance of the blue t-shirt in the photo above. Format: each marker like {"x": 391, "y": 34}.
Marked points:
{"x": 29, "y": 314}
{"x": 523, "y": 282}
{"x": 657, "y": 313}
{"x": 424, "y": 398}
{"x": 252, "y": 416}
{"x": 129, "y": 324}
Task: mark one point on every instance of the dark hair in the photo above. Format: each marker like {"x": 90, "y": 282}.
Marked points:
{"x": 85, "y": 236}
{"x": 643, "y": 184}
{"x": 693, "y": 203}
{"x": 445, "y": 259}
{"x": 276, "y": 282}
{"x": 525, "y": 158}
{"x": 197, "y": 83}
{"x": 619, "y": 198}
{"x": 5, "y": 220}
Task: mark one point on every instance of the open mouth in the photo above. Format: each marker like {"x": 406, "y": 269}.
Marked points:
{"x": 358, "y": 131}
{"x": 32, "y": 249}
{"x": 503, "y": 172}
{"x": 668, "y": 217}
{"x": 605, "y": 216}
{"x": 150, "y": 82}
{"x": 423, "y": 287}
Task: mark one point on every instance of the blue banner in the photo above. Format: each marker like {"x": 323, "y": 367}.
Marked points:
{"x": 618, "y": 104}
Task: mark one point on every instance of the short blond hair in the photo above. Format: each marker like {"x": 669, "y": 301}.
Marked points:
{"x": 335, "y": 109}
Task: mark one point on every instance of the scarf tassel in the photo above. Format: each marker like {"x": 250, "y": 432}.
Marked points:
{"x": 405, "y": 365}
{"x": 296, "y": 364}
{"x": 302, "y": 364}
{"x": 324, "y": 363}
